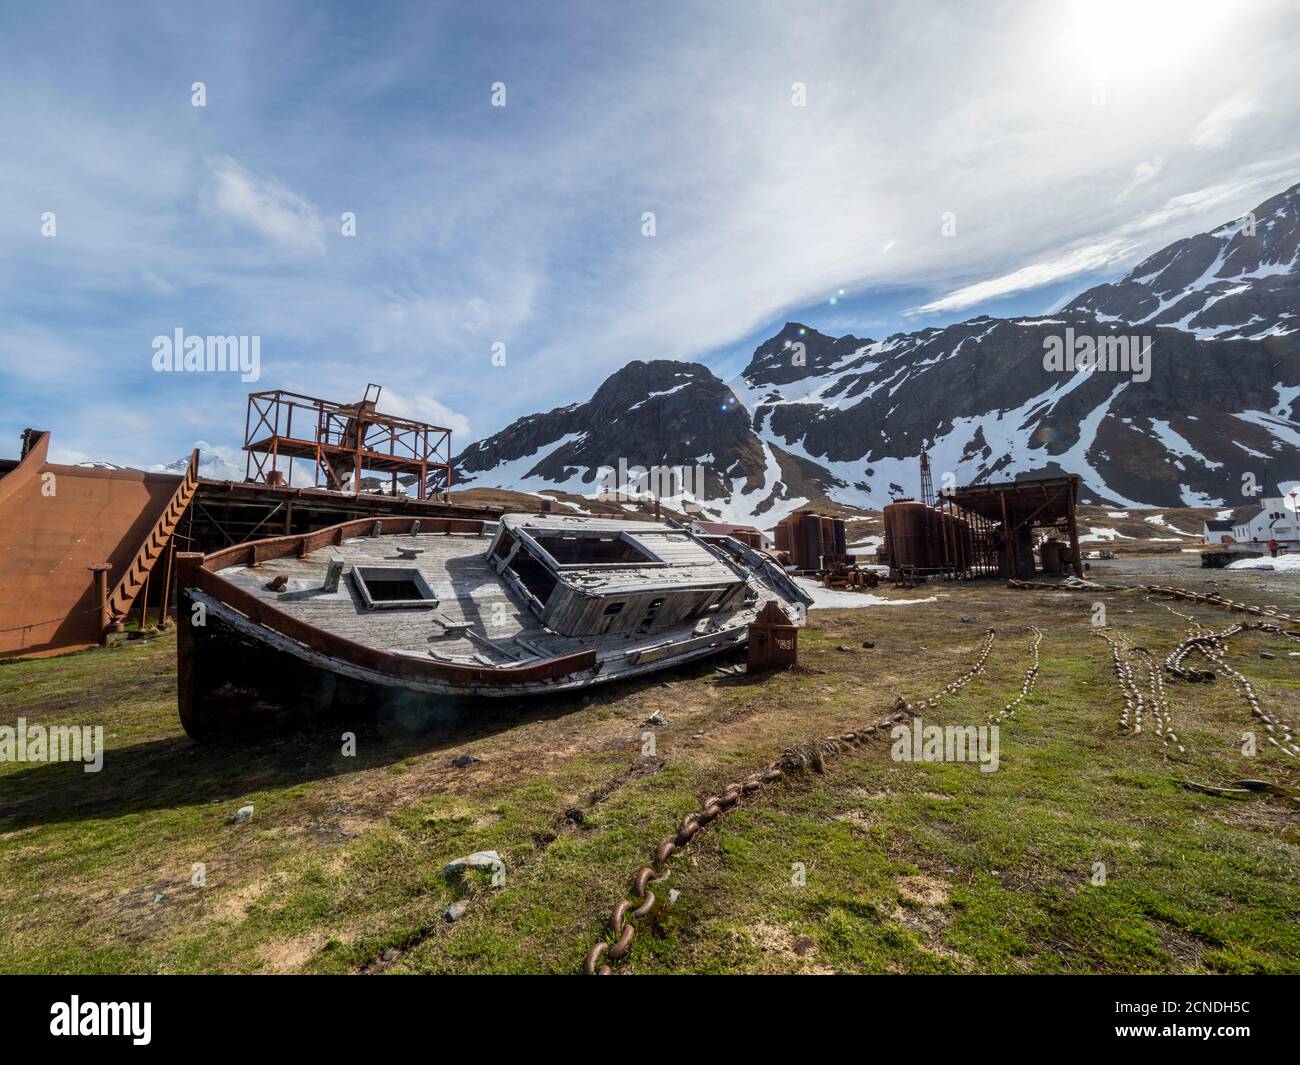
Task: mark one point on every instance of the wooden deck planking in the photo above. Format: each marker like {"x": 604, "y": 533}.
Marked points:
{"x": 468, "y": 589}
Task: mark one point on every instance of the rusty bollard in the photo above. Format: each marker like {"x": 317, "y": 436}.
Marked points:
{"x": 773, "y": 640}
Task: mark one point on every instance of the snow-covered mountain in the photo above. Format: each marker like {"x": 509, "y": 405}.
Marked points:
{"x": 216, "y": 462}
{"x": 1240, "y": 280}
{"x": 1199, "y": 385}
{"x": 97, "y": 464}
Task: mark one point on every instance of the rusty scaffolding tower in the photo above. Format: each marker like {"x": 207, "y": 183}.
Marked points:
{"x": 927, "y": 485}
{"x": 341, "y": 441}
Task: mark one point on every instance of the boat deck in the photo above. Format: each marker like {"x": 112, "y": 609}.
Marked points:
{"x": 476, "y": 621}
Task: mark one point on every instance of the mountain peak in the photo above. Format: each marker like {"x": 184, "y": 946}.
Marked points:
{"x": 1238, "y": 281}
{"x": 817, "y": 419}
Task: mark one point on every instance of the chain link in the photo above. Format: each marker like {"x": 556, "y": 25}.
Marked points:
{"x": 643, "y": 903}
{"x": 1214, "y": 647}
{"x": 1214, "y": 599}
{"x": 1031, "y": 675}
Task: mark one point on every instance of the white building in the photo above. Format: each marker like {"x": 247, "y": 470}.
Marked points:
{"x": 1218, "y": 532}
{"x": 1274, "y": 520}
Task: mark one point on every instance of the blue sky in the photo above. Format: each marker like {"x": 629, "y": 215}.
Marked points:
{"x": 1067, "y": 139}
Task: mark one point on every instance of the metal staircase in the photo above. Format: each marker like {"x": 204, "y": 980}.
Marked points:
{"x": 136, "y": 577}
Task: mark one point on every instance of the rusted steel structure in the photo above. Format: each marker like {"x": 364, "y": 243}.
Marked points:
{"x": 927, "y": 483}
{"x": 226, "y": 513}
{"x": 1014, "y": 510}
{"x": 815, "y": 542}
{"x": 986, "y": 530}
{"x": 159, "y": 544}
{"x": 340, "y": 441}
{"x": 79, "y": 548}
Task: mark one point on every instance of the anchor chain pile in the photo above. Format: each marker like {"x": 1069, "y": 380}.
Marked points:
{"x": 810, "y": 755}
{"x": 1214, "y": 647}
{"x": 1198, "y": 641}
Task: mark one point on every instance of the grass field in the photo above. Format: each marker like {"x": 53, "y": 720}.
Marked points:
{"x": 910, "y": 867}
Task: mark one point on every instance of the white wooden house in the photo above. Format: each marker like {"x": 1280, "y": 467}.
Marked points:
{"x": 1275, "y": 519}
{"x": 1218, "y": 532}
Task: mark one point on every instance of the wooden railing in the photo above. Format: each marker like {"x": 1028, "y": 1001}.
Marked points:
{"x": 196, "y": 571}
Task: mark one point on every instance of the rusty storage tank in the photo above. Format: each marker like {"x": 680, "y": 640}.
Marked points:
{"x": 792, "y": 536}
{"x": 966, "y": 538}
{"x": 809, "y": 555}
{"x": 935, "y": 548}
{"x": 926, "y": 537}
{"x": 781, "y": 534}
{"x": 841, "y": 540}
{"x": 949, "y": 541}
{"x": 827, "y": 540}
{"x": 1050, "y": 553}
{"x": 905, "y": 533}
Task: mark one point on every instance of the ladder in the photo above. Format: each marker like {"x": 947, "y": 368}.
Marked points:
{"x": 155, "y": 544}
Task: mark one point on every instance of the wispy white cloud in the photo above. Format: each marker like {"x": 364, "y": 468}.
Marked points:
{"x": 1144, "y": 172}
{"x": 265, "y": 206}
{"x": 1217, "y": 128}
{"x": 1068, "y": 264}
{"x": 424, "y": 409}
{"x": 1126, "y": 241}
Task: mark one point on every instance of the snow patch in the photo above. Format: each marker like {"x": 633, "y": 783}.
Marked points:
{"x": 828, "y": 598}
{"x": 1281, "y": 564}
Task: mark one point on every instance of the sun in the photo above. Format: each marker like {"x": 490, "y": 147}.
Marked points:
{"x": 1133, "y": 38}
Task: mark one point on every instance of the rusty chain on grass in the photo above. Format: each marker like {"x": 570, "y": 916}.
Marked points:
{"x": 1130, "y": 716}
{"x": 1214, "y": 647}
{"x": 1160, "y": 710}
{"x": 1214, "y": 599}
{"x": 1070, "y": 584}
{"x": 809, "y": 755}
{"x": 1216, "y": 652}
{"x": 1197, "y": 641}
{"x": 1135, "y": 707}
{"x": 1031, "y": 675}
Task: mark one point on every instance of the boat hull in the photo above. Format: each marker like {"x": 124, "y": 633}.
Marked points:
{"x": 237, "y": 679}
{"x": 259, "y": 655}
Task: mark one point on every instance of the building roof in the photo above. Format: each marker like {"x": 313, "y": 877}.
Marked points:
{"x": 721, "y": 528}
{"x": 1045, "y": 499}
{"x": 1270, "y": 489}
{"x": 1220, "y": 526}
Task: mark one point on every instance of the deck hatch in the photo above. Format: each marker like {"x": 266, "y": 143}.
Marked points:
{"x": 586, "y": 549}
{"x": 390, "y": 587}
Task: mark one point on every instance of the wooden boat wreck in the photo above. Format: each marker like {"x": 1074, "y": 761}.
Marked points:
{"x": 412, "y": 613}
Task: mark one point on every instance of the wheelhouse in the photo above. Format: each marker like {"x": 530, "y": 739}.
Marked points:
{"x": 589, "y": 577}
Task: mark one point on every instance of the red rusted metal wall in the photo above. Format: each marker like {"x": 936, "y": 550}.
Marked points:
{"x": 55, "y": 521}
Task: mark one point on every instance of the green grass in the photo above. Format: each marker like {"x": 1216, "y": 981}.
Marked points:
{"x": 910, "y": 867}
